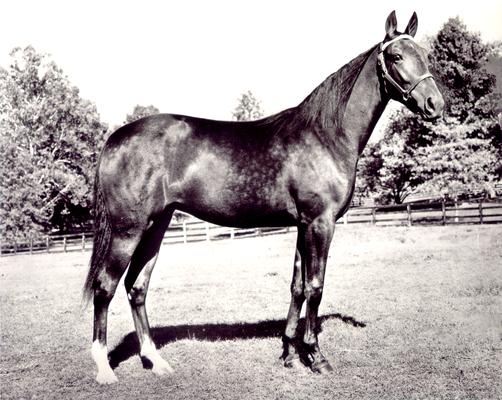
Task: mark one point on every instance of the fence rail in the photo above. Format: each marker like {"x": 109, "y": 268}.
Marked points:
{"x": 192, "y": 230}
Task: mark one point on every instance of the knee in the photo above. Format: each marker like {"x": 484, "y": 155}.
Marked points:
{"x": 296, "y": 291}
{"x": 136, "y": 295}
{"x": 104, "y": 289}
{"x": 313, "y": 291}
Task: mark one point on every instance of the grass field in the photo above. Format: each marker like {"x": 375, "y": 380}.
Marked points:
{"x": 411, "y": 313}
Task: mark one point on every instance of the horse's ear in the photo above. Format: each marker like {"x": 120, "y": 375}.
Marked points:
{"x": 391, "y": 24}
{"x": 412, "y": 27}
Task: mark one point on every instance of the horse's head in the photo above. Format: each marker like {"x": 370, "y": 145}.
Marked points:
{"x": 403, "y": 66}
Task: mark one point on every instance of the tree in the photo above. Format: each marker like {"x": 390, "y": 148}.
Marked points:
{"x": 459, "y": 59}
{"x": 49, "y": 140}
{"x": 466, "y": 153}
{"x": 388, "y": 169}
{"x": 459, "y": 154}
{"x": 461, "y": 161}
{"x": 248, "y": 108}
{"x": 140, "y": 112}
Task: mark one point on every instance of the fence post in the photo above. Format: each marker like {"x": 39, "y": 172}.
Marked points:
{"x": 208, "y": 237}
{"x": 408, "y": 210}
{"x": 345, "y": 218}
{"x": 373, "y": 216}
{"x": 64, "y": 243}
{"x": 47, "y": 240}
{"x": 15, "y": 247}
{"x": 185, "y": 240}
{"x": 456, "y": 210}
{"x": 481, "y": 212}
{"x": 259, "y": 231}
{"x": 83, "y": 241}
{"x": 232, "y": 233}
{"x": 443, "y": 211}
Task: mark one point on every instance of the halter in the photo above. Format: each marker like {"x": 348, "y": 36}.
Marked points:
{"x": 388, "y": 78}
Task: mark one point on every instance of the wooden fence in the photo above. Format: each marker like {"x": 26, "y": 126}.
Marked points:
{"x": 193, "y": 230}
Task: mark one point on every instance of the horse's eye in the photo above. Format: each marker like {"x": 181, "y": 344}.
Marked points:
{"x": 397, "y": 57}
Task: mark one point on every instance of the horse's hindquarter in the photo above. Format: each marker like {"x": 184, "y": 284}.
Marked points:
{"x": 131, "y": 170}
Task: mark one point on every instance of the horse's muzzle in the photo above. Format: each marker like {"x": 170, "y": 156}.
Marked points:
{"x": 433, "y": 108}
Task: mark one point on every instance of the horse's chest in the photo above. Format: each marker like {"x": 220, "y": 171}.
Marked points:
{"x": 321, "y": 182}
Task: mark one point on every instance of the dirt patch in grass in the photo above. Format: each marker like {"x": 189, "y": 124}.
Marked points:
{"x": 406, "y": 313}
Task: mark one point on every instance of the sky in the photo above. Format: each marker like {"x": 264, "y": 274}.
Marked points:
{"x": 196, "y": 57}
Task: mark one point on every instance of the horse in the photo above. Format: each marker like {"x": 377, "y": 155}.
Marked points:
{"x": 294, "y": 168}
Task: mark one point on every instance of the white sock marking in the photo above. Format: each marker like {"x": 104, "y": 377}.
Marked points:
{"x": 100, "y": 355}
{"x": 159, "y": 365}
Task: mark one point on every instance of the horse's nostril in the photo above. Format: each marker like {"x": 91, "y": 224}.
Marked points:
{"x": 434, "y": 105}
{"x": 429, "y": 105}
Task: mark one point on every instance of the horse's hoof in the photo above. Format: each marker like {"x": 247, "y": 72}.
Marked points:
{"x": 106, "y": 377}
{"x": 162, "y": 367}
{"x": 323, "y": 367}
{"x": 293, "y": 362}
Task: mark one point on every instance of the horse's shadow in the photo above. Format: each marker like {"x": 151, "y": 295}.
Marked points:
{"x": 129, "y": 345}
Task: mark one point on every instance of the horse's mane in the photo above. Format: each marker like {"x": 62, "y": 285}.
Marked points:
{"x": 326, "y": 104}
{"x": 323, "y": 109}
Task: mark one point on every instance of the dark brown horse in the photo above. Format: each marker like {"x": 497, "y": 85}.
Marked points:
{"x": 295, "y": 168}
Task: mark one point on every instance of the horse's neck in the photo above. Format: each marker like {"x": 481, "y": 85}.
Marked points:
{"x": 364, "y": 108}
{"x": 345, "y": 108}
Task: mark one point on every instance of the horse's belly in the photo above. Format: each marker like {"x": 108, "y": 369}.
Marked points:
{"x": 235, "y": 192}
{"x": 240, "y": 206}
{"x": 245, "y": 219}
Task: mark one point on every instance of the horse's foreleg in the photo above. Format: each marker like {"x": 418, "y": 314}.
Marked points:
{"x": 136, "y": 284}
{"x": 291, "y": 352}
{"x": 317, "y": 242}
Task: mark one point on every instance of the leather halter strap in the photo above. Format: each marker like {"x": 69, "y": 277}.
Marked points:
{"x": 405, "y": 93}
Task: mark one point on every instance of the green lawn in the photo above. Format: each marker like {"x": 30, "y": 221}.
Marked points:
{"x": 411, "y": 313}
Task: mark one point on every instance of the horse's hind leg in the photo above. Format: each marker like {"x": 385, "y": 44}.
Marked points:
{"x": 136, "y": 284}
{"x": 105, "y": 285}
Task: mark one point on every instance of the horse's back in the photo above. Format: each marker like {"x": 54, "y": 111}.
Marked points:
{"x": 228, "y": 172}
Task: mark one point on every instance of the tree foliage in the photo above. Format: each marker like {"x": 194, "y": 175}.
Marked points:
{"x": 140, "y": 112}
{"x": 248, "y": 108}
{"x": 49, "y": 137}
{"x": 459, "y": 59}
{"x": 461, "y": 153}
{"x": 388, "y": 169}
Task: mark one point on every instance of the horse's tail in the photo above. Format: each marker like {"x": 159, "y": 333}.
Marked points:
{"x": 102, "y": 240}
